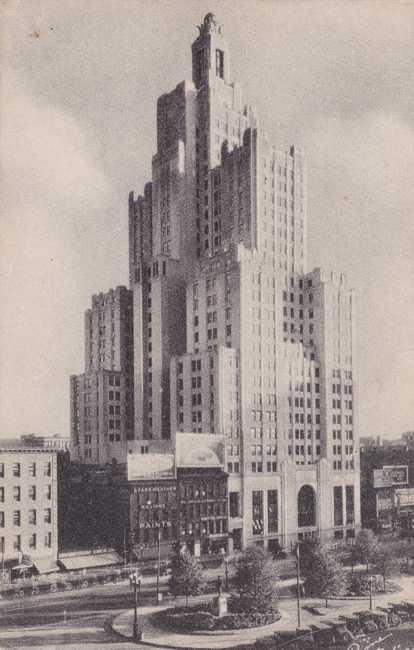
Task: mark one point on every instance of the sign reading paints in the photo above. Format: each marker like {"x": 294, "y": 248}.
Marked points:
{"x": 390, "y": 475}
{"x": 150, "y": 466}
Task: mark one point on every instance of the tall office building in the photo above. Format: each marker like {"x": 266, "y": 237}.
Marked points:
{"x": 101, "y": 398}
{"x": 232, "y": 333}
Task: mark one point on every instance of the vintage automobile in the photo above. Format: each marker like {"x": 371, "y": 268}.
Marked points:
{"x": 392, "y": 617}
{"x": 367, "y": 622}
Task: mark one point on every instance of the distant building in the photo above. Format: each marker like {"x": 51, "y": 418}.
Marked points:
{"x": 387, "y": 489}
{"x": 369, "y": 441}
{"x": 101, "y": 399}
{"x": 59, "y": 443}
{"x": 28, "y": 508}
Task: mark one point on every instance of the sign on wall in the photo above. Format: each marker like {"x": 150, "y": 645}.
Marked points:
{"x": 199, "y": 450}
{"x": 390, "y": 475}
{"x": 150, "y": 466}
{"x": 404, "y": 497}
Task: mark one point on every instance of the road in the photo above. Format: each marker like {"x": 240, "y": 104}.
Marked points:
{"x": 74, "y": 620}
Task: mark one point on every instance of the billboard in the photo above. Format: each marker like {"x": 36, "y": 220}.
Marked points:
{"x": 150, "y": 466}
{"x": 390, "y": 475}
{"x": 404, "y": 497}
{"x": 199, "y": 450}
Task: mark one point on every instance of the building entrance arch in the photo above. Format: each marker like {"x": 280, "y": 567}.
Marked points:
{"x": 306, "y": 506}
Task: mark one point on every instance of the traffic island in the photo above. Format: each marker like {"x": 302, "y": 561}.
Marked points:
{"x": 156, "y": 635}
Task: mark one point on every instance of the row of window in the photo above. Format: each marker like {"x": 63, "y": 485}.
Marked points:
{"x": 32, "y": 517}
{"x": 32, "y": 542}
{"x": 257, "y": 450}
{"x": 32, "y": 492}
{"x": 257, "y": 467}
{"x": 33, "y": 469}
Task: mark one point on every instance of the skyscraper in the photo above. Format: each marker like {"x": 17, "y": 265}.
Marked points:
{"x": 101, "y": 398}
{"x": 232, "y": 333}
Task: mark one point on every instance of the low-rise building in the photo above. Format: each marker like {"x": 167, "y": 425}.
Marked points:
{"x": 28, "y": 508}
{"x": 387, "y": 489}
{"x": 178, "y": 495}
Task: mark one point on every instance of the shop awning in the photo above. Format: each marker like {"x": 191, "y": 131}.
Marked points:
{"x": 88, "y": 561}
{"x": 46, "y": 565}
{"x": 22, "y": 567}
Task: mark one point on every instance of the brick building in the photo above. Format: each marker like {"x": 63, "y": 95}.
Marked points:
{"x": 387, "y": 489}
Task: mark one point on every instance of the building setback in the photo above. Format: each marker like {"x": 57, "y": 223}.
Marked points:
{"x": 101, "y": 399}
{"x": 232, "y": 334}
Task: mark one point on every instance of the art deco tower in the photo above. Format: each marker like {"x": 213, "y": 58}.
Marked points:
{"x": 232, "y": 334}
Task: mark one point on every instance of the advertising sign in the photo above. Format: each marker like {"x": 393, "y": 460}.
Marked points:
{"x": 199, "y": 450}
{"x": 390, "y": 475}
{"x": 150, "y": 466}
{"x": 404, "y": 497}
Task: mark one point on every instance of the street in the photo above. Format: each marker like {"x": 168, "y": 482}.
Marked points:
{"x": 72, "y": 620}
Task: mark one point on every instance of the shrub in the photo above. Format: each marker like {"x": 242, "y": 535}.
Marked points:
{"x": 359, "y": 584}
{"x": 199, "y": 618}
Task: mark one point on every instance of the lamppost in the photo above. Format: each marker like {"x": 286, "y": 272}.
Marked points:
{"x": 298, "y": 579}
{"x": 226, "y": 567}
{"x": 159, "y": 597}
{"x": 135, "y": 581}
{"x": 370, "y": 580}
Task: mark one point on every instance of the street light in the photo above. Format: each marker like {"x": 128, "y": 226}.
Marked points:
{"x": 135, "y": 581}
{"x": 298, "y": 579}
{"x": 226, "y": 567}
{"x": 370, "y": 580}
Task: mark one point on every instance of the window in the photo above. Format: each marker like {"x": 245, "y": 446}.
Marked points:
{"x": 1, "y": 519}
{"x": 234, "y": 498}
{"x": 1, "y": 494}
{"x": 1, "y": 470}
{"x": 16, "y": 469}
{"x": 338, "y": 508}
{"x": 16, "y": 493}
{"x": 272, "y": 511}
{"x": 16, "y": 518}
{"x": 32, "y": 541}
{"x": 32, "y": 469}
{"x": 32, "y": 517}
{"x": 220, "y": 63}
{"x": 48, "y": 491}
{"x": 257, "y": 512}
{"x": 17, "y": 544}
{"x": 48, "y": 540}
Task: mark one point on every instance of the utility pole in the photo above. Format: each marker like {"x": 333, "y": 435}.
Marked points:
{"x": 298, "y": 579}
{"x": 158, "y": 562}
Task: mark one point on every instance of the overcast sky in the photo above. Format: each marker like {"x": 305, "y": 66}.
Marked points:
{"x": 79, "y": 90}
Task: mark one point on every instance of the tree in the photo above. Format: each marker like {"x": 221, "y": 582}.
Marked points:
{"x": 324, "y": 576}
{"x": 386, "y": 564}
{"x": 186, "y": 575}
{"x": 308, "y": 548}
{"x": 255, "y": 580}
{"x": 365, "y": 547}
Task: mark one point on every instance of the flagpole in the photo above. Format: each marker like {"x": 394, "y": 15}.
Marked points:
{"x": 298, "y": 581}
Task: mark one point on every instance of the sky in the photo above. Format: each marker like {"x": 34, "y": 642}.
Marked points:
{"x": 79, "y": 87}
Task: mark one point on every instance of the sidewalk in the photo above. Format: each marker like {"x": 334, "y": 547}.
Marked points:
{"x": 154, "y": 636}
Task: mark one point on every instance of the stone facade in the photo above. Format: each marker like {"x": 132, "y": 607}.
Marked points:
{"x": 28, "y": 504}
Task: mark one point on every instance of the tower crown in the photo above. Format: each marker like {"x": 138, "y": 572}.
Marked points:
{"x": 210, "y": 53}
{"x": 209, "y": 25}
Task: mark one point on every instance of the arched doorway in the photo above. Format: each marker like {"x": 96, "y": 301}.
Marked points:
{"x": 306, "y": 506}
